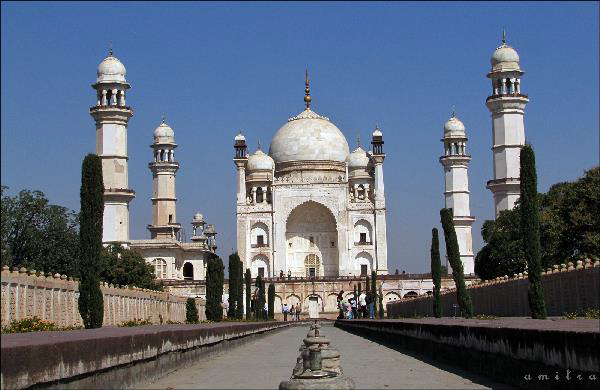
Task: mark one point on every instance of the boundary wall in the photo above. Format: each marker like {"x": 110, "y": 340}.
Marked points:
{"x": 55, "y": 298}
{"x": 567, "y": 289}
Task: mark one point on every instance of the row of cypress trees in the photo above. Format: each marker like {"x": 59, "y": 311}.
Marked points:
{"x": 530, "y": 221}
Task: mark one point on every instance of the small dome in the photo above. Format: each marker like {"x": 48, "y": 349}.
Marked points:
{"x": 358, "y": 159}
{"x": 111, "y": 70}
{"x": 198, "y": 217}
{"x": 309, "y": 137}
{"x": 505, "y": 58}
{"x": 240, "y": 137}
{"x": 259, "y": 161}
{"x": 454, "y": 127}
{"x": 164, "y": 133}
{"x": 377, "y": 132}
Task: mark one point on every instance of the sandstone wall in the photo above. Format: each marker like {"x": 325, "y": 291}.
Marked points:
{"x": 567, "y": 288}
{"x": 55, "y": 298}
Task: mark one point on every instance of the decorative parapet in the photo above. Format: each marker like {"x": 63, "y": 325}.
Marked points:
{"x": 54, "y": 298}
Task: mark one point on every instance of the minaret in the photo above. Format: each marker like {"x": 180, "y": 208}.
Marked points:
{"x": 111, "y": 116}
{"x": 380, "y": 225}
{"x": 507, "y": 106}
{"x": 240, "y": 160}
{"x": 456, "y": 163}
{"x": 164, "y": 167}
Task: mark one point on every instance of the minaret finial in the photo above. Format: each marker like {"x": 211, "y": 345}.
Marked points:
{"x": 307, "y": 90}
{"x": 503, "y": 35}
{"x": 110, "y": 52}
{"x": 358, "y": 141}
{"x": 453, "y": 111}
{"x": 163, "y": 119}
{"x": 258, "y": 147}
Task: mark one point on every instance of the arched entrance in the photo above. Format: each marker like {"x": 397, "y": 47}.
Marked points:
{"x": 312, "y": 241}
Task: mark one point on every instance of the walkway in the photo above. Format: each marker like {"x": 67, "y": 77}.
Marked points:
{"x": 264, "y": 362}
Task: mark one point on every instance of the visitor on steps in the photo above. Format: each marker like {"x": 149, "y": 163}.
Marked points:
{"x": 285, "y": 312}
{"x": 298, "y": 310}
{"x": 371, "y": 304}
{"x": 363, "y": 304}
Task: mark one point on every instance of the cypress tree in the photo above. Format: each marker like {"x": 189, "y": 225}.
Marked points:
{"x": 260, "y": 298}
{"x": 191, "y": 311}
{"x": 91, "y": 303}
{"x": 248, "y": 294}
{"x": 214, "y": 289}
{"x": 381, "y": 311}
{"x": 367, "y": 285}
{"x": 374, "y": 291}
{"x": 530, "y": 231}
{"x": 271, "y": 301}
{"x": 462, "y": 295}
{"x": 436, "y": 273}
{"x": 233, "y": 288}
{"x": 240, "y": 292}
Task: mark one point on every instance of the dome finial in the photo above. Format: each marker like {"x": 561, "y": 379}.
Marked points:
{"x": 307, "y": 90}
{"x": 110, "y": 52}
{"x": 258, "y": 146}
{"x": 358, "y": 141}
{"x": 163, "y": 119}
{"x": 504, "y": 36}
{"x": 453, "y": 111}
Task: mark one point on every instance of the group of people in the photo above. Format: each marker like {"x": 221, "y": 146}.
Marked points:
{"x": 294, "y": 311}
{"x": 353, "y": 308}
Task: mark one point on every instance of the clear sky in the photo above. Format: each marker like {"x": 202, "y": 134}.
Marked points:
{"x": 216, "y": 68}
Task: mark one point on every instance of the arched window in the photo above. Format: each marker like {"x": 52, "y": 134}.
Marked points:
{"x": 259, "y": 195}
{"x": 188, "y": 271}
{"x": 160, "y": 268}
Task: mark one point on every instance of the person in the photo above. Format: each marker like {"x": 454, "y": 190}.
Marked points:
{"x": 371, "y": 304}
{"x": 266, "y": 312}
{"x": 349, "y": 309}
{"x": 281, "y": 274}
{"x": 289, "y": 274}
{"x": 363, "y": 304}
{"x": 353, "y": 305}
{"x": 293, "y": 312}
{"x": 285, "y": 312}
{"x": 340, "y": 297}
{"x": 298, "y": 310}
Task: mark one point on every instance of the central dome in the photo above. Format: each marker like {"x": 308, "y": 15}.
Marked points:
{"x": 309, "y": 137}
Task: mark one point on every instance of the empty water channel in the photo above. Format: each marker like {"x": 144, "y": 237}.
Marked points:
{"x": 263, "y": 362}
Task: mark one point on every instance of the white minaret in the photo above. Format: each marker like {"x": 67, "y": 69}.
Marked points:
{"x": 111, "y": 116}
{"x": 380, "y": 225}
{"x": 456, "y": 163}
{"x": 164, "y": 167}
{"x": 507, "y": 106}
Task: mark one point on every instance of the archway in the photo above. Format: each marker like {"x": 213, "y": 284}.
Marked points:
{"x": 188, "y": 271}
{"x": 260, "y": 266}
{"x": 311, "y": 230}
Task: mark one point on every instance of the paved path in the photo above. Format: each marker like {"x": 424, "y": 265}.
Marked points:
{"x": 264, "y": 362}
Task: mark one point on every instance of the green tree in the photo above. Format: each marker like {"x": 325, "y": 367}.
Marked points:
{"x": 191, "y": 311}
{"x": 260, "y": 298}
{"x": 240, "y": 292}
{"x": 271, "y": 295}
{"x": 91, "y": 305}
{"x": 462, "y": 295}
{"x": 248, "y": 280}
{"x": 214, "y": 289}
{"x": 381, "y": 311}
{"x": 374, "y": 290}
{"x": 126, "y": 267}
{"x": 37, "y": 235}
{"x": 436, "y": 273}
{"x": 530, "y": 230}
{"x": 233, "y": 285}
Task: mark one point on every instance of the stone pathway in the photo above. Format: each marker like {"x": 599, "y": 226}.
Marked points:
{"x": 264, "y": 362}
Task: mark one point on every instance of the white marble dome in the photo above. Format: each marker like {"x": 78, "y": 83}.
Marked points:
{"x": 377, "y": 132}
{"x": 111, "y": 70}
{"x": 358, "y": 159}
{"x": 240, "y": 137}
{"x": 505, "y": 58}
{"x": 198, "y": 217}
{"x": 259, "y": 161}
{"x": 454, "y": 127}
{"x": 309, "y": 137}
{"x": 164, "y": 133}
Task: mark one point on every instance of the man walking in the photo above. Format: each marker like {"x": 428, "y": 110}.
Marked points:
{"x": 285, "y": 312}
{"x": 371, "y": 304}
{"x": 362, "y": 299}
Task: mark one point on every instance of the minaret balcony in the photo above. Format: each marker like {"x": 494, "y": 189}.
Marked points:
{"x": 455, "y": 159}
{"x": 506, "y": 184}
{"x": 119, "y": 194}
{"x": 507, "y": 95}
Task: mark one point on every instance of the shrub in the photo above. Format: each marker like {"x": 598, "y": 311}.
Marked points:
{"x": 191, "y": 311}
{"x": 35, "y": 324}
{"x": 135, "y": 322}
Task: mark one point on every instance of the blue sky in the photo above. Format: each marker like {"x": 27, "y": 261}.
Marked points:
{"x": 215, "y": 68}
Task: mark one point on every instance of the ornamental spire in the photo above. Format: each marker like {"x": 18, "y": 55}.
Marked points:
{"x": 503, "y": 36}
{"x": 358, "y": 141}
{"x": 110, "y": 52}
{"x": 307, "y": 90}
{"x": 453, "y": 111}
{"x": 258, "y": 146}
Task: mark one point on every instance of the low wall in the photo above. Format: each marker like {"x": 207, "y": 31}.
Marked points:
{"x": 526, "y": 353}
{"x": 567, "y": 289}
{"x": 55, "y": 298}
{"x": 113, "y": 357}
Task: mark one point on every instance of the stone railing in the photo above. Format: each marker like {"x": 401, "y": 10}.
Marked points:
{"x": 567, "y": 288}
{"x": 54, "y": 298}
